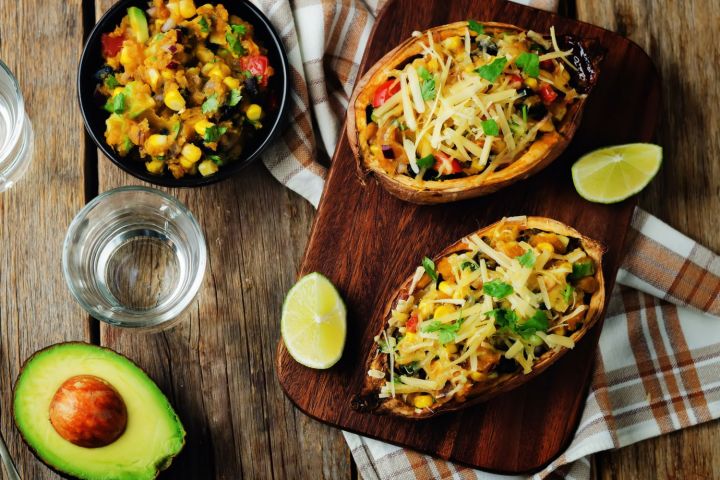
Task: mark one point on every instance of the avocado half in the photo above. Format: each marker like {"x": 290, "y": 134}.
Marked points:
{"x": 152, "y": 435}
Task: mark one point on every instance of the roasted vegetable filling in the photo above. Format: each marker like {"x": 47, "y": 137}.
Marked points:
{"x": 469, "y": 104}
{"x": 494, "y": 307}
{"x": 185, "y": 86}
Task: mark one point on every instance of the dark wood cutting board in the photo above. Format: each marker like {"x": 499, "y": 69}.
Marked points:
{"x": 367, "y": 242}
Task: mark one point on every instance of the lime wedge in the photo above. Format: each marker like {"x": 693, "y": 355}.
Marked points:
{"x": 313, "y": 322}
{"x": 612, "y": 174}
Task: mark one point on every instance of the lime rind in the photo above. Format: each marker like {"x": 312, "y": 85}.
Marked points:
{"x": 313, "y": 324}
{"x": 613, "y": 174}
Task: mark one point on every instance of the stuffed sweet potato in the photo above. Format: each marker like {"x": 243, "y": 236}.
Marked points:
{"x": 464, "y": 109}
{"x": 486, "y": 315}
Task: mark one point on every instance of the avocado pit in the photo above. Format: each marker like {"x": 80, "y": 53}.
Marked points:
{"x": 87, "y": 411}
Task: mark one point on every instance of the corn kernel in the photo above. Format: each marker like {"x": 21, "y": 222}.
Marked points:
{"x": 443, "y": 310}
{"x": 254, "y": 112}
{"x": 167, "y": 75}
{"x": 205, "y": 55}
{"x": 187, "y": 8}
{"x": 186, "y": 163}
{"x": 191, "y": 152}
{"x": 546, "y": 247}
{"x": 156, "y": 144}
{"x": 174, "y": 100}
{"x": 452, "y": 43}
{"x": 174, "y": 8}
{"x": 207, "y": 167}
{"x": 451, "y": 348}
{"x": 201, "y": 126}
{"x": 476, "y": 376}
{"x": 423, "y": 401}
{"x": 425, "y": 309}
{"x": 126, "y": 57}
{"x": 224, "y": 69}
{"x": 216, "y": 71}
{"x": 531, "y": 82}
{"x": 154, "y": 77}
{"x": 446, "y": 288}
{"x": 155, "y": 166}
{"x": 400, "y": 317}
{"x": 375, "y": 150}
{"x": 433, "y": 65}
{"x": 231, "y": 83}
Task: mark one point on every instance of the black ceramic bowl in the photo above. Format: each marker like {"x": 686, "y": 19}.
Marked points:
{"x": 94, "y": 115}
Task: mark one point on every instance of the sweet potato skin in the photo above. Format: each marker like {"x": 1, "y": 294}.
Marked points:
{"x": 542, "y": 152}
{"x": 368, "y": 401}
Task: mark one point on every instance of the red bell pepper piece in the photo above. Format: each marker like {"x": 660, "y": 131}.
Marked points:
{"x": 385, "y": 91}
{"x": 257, "y": 65}
{"x": 111, "y": 45}
{"x": 411, "y": 324}
{"x": 446, "y": 165}
{"x": 547, "y": 94}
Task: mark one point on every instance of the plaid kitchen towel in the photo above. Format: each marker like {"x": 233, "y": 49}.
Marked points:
{"x": 658, "y": 362}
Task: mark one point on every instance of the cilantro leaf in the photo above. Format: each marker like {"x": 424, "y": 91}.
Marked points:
{"x": 234, "y": 44}
{"x": 429, "y": 267}
{"x": 498, "y": 289}
{"x": 469, "y": 264}
{"x": 213, "y": 133}
{"x": 538, "y": 322}
{"x": 490, "y": 127}
{"x": 504, "y": 318}
{"x": 446, "y": 331}
{"x": 217, "y": 159}
{"x": 211, "y": 104}
{"x": 530, "y": 63}
{"x": 583, "y": 269}
{"x": 492, "y": 71}
{"x": 234, "y": 98}
{"x": 567, "y": 293}
{"x": 426, "y": 162}
{"x": 527, "y": 259}
{"x": 238, "y": 29}
{"x": 204, "y": 25}
{"x": 476, "y": 27}
{"x": 424, "y": 74}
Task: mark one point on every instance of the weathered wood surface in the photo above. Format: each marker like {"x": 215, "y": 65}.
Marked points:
{"x": 682, "y": 40}
{"x": 36, "y": 308}
{"x": 246, "y": 427}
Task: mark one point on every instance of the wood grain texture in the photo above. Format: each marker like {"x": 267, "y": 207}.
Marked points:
{"x": 681, "y": 39}
{"x": 36, "y": 308}
{"x": 377, "y": 241}
{"x": 217, "y": 364}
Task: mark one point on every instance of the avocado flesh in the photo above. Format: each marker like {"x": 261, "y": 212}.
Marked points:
{"x": 152, "y": 437}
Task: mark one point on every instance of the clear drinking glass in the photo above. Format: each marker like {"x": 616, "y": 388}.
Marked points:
{"x": 134, "y": 257}
{"x": 16, "y": 133}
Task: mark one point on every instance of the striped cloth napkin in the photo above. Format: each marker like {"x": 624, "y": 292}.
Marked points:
{"x": 658, "y": 360}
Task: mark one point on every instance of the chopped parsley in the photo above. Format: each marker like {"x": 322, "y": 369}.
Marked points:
{"x": 238, "y": 30}
{"x": 490, "y": 127}
{"x": 213, "y": 133}
{"x": 529, "y": 63}
{"x": 492, "y": 71}
{"x": 476, "y": 27}
{"x": 527, "y": 259}
{"x": 426, "y": 162}
{"x": 446, "y": 331}
{"x": 217, "y": 159}
{"x": 498, "y": 289}
{"x": 211, "y": 104}
{"x": 504, "y": 318}
{"x": 235, "y": 97}
{"x": 429, "y": 267}
{"x": 537, "y": 323}
{"x": 234, "y": 43}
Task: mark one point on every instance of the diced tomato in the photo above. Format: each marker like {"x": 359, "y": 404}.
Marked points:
{"x": 547, "y": 94}
{"x": 385, "y": 92}
{"x": 111, "y": 45}
{"x": 257, "y": 65}
{"x": 446, "y": 165}
{"x": 515, "y": 81}
{"x": 547, "y": 65}
{"x": 411, "y": 324}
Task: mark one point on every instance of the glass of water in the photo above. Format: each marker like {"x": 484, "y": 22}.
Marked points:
{"x": 134, "y": 257}
{"x": 16, "y": 133}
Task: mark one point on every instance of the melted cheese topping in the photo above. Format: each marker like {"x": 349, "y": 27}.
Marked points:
{"x": 515, "y": 293}
{"x": 446, "y": 101}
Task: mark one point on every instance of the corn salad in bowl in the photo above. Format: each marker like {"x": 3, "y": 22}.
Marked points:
{"x": 185, "y": 91}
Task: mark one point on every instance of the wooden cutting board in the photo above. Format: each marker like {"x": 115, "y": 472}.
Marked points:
{"x": 367, "y": 242}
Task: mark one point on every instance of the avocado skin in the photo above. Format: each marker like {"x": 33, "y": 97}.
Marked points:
{"x": 161, "y": 465}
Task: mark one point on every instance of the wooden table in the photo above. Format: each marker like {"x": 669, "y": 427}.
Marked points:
{"x": 217, "y": 365}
